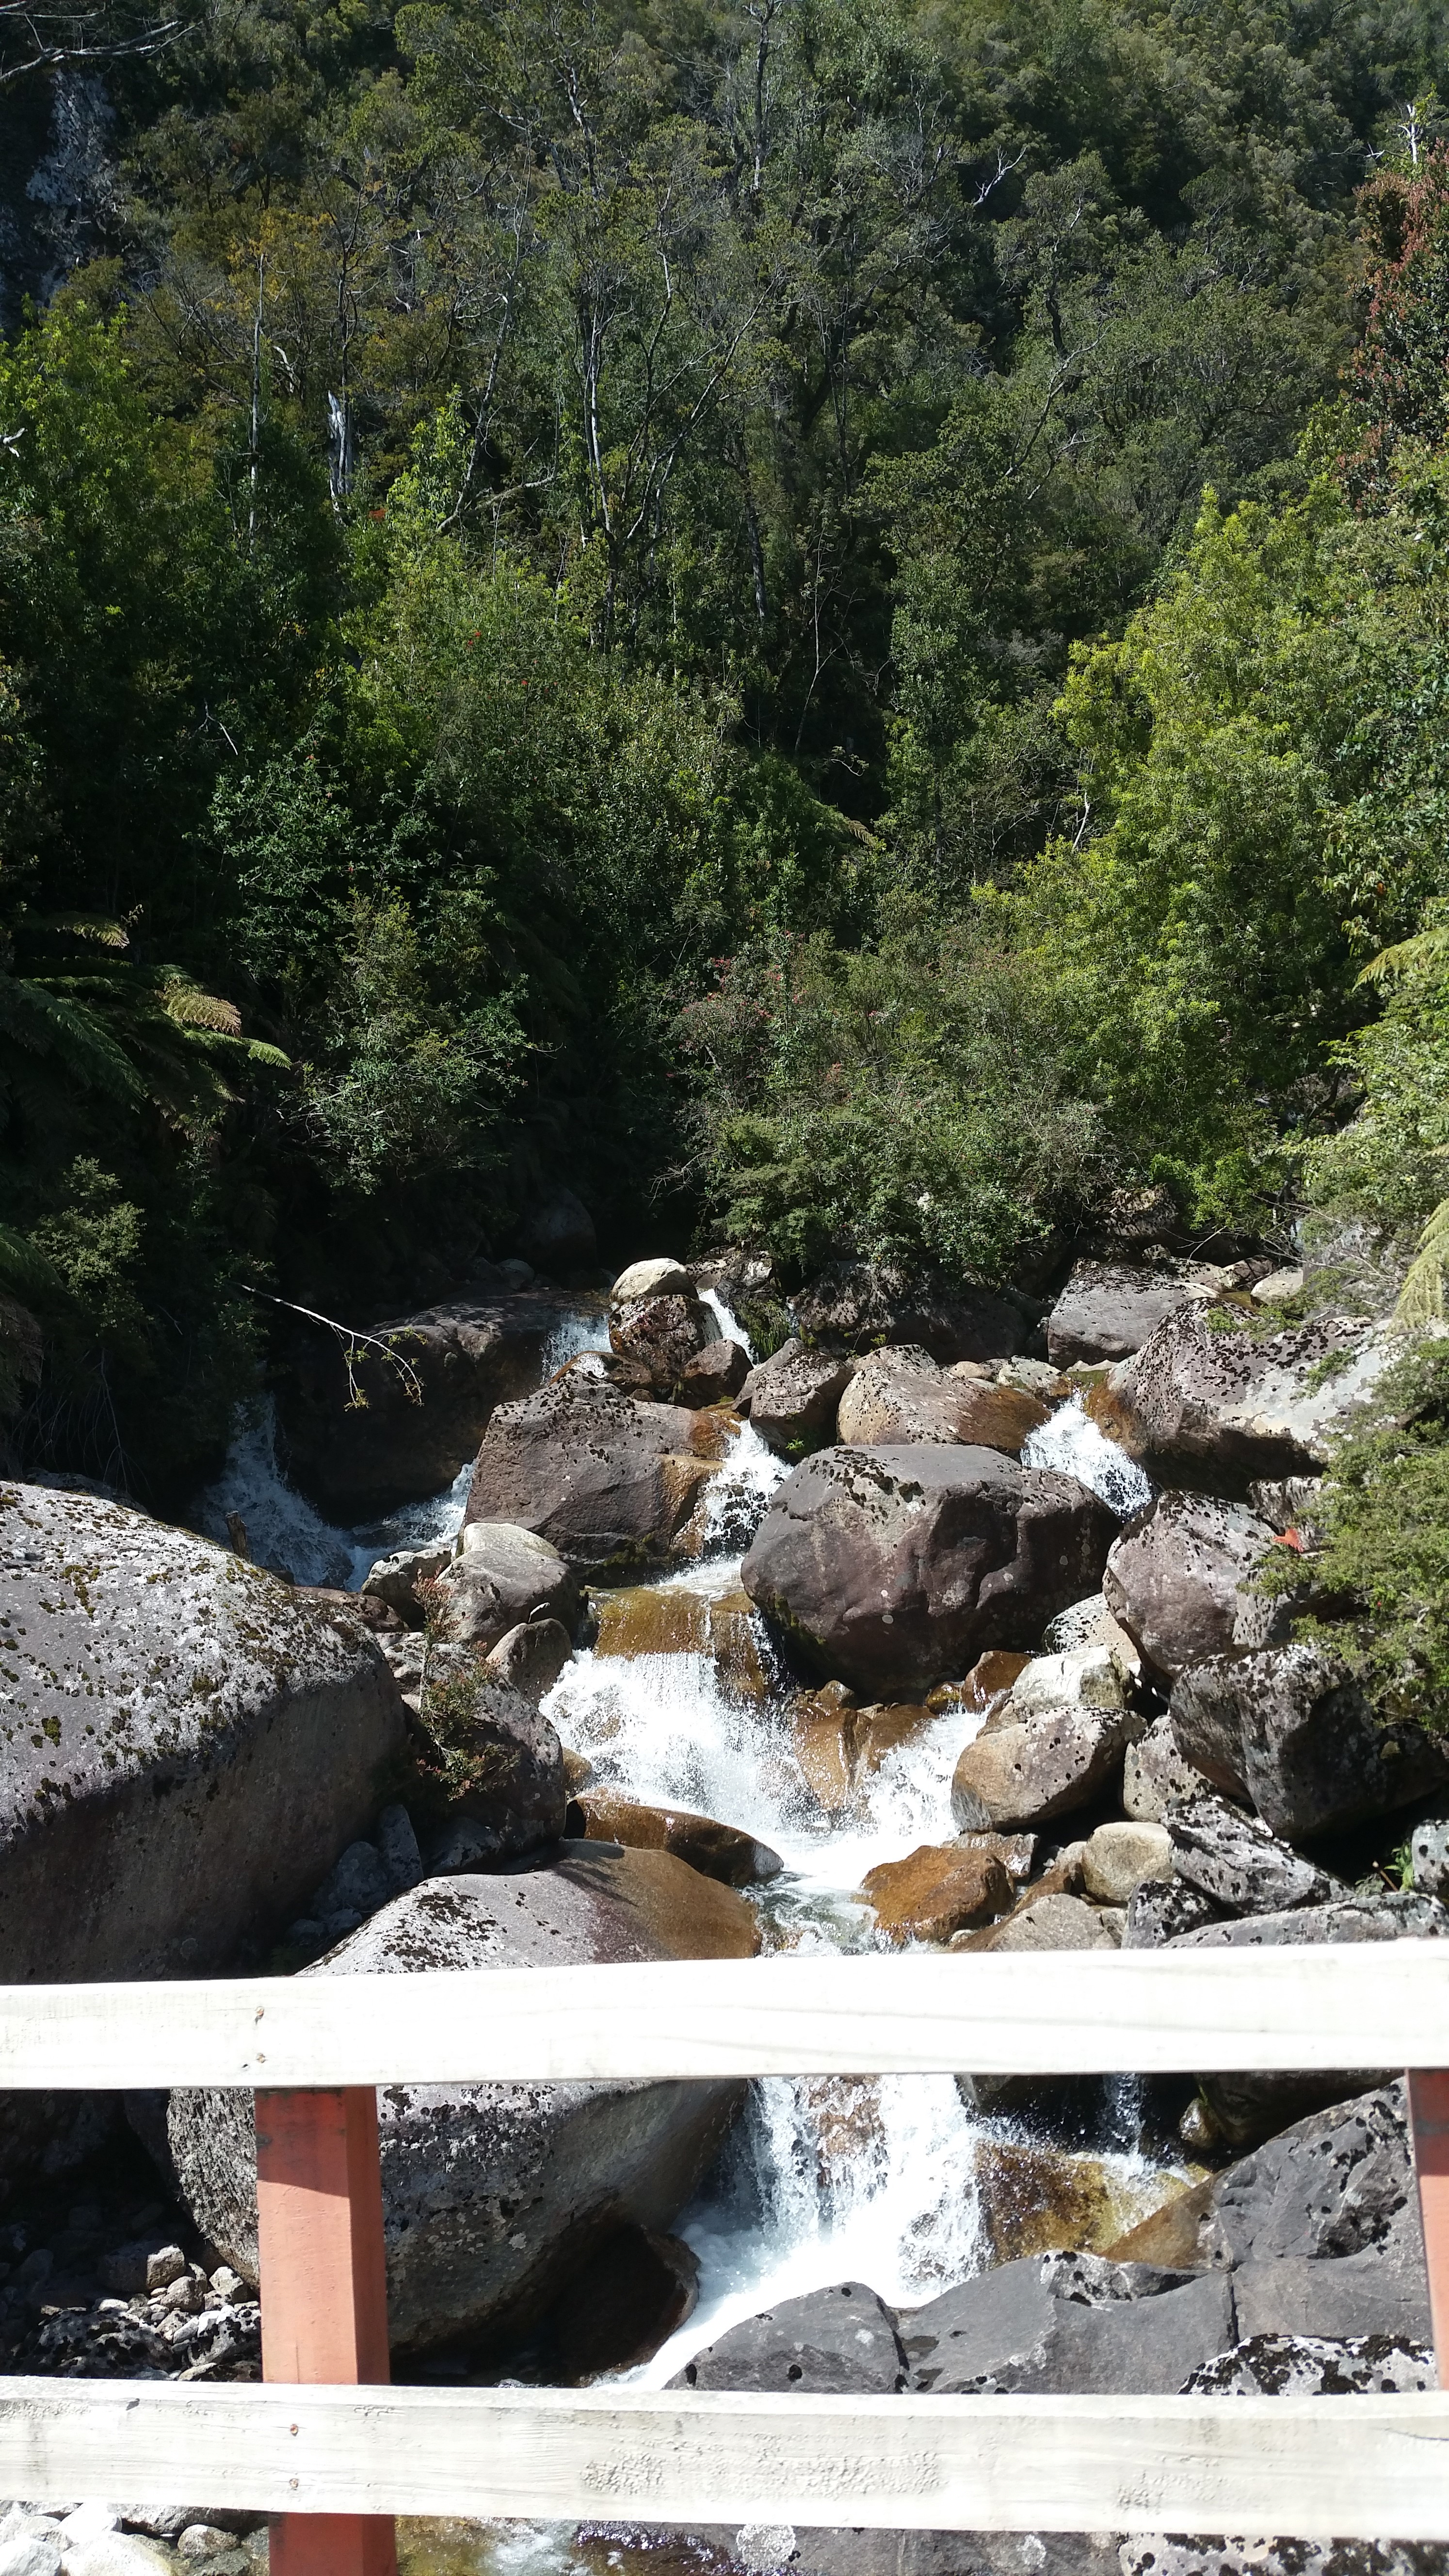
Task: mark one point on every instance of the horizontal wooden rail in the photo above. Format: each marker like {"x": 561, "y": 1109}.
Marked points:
{"x": 1320, "y": 2467}
{"x": 1072, "y": 2013}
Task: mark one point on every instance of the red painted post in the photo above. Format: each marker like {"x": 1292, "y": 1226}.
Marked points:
{"x": 1429, "y": 2136}
{"x": 324, "y": 2292}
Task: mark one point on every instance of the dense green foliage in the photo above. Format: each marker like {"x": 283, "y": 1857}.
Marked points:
{"x": 818, "y": 618}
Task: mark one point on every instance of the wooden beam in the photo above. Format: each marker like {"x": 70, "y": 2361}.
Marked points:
{"x": 1319, "y": 2467}
{"x": 324, "y": 2291}
{"x": 1429, "y": 2137}
{"x": 1067, "y": 2013}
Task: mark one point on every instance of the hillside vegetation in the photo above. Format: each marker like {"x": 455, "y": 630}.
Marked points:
{"x": 824, "y": 620}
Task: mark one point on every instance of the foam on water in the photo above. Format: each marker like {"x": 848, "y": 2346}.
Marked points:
{"x": 1072, "y": 1444}
{"x": 739, "y": 1496}
{"x": 728, "y": 1321}
{"x": 286, "y": 1531}
{"x": 586, "y": 1330}
{"x": 869, "y": 2179}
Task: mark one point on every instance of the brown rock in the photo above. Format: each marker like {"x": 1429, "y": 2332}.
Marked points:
{"x": 530, "y": 1658}
{"x": 824, "y": 1743}
{"x": 717, "y": 1851}
{"x": 791, "y": 1397}
{"x": 663, "y": 1334}
{"x": 897, "y": 1397}
{"x": 642, "y": 1619}
{"x": 611, "y": 1482}
{"x": 940, "y": 1889}
{"x": 895, "y": 1568}
{"x": 715, "y": 1375}
{"x": 878, "y": 1731}
{"x": 1034, "y": 2199}
{"x": 989, "y": 1680}
{"x": 688, "y": 1915}
{"x": 1169, "y": 2235}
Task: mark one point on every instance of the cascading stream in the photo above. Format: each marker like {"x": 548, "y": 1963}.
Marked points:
{"x": 682, "y": 1703}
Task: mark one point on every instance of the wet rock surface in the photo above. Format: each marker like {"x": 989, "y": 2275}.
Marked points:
{"x": 895, "y": 1569}
{"x": 609, "y": 1480}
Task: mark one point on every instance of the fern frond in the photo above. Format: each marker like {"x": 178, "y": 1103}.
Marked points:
{"x": 192, "y": 1009}
{"x": 45, "y": 1019}
{"x": 261, "y": 1053}
{"x": 82, "y": 925}
{"x": 1417, "y": 956}
{"x": 1421, "y": 1298}
{"x": 22, "y": 1265}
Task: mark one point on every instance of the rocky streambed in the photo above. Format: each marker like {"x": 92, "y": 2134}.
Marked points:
{"x": 908, "y": 1633}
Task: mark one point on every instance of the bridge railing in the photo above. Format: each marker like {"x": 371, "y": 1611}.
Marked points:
{"x": 326, "y": 2446}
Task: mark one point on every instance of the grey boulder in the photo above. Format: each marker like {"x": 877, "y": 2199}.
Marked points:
{"x": 791, "y": 1397}
{"x": 1236, "y": 1863}
{"x": 502, "y": 1576}
{"x": 1289, "y": 1729}
{"x": 185, "y": 1745}
{"x": 836, "y": 2342}
{"x": 1311, "y": 2365}
{"x": 611, "y": 1481}
{"x": 495, "y": 2196}
{"x": 1177, "y": 1579}
{"x": 895, "y": 1569}
{"x": 1204, "y": 1402}
{"x": 1155, "y": 1774}
{"x": 1109, "y": 1309}
{"x": 500, "y": 1761}
{"x": 1070, "y": 2323}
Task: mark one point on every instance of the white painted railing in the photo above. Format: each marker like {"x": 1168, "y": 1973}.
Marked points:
{"x": 334, "y": 2461}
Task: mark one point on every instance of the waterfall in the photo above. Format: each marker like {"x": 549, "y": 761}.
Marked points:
{"x": 1072, "y": 1444}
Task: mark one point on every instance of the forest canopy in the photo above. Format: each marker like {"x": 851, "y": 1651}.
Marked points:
{"x": 822, "y": 620}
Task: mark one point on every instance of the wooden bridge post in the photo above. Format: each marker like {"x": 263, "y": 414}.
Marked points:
{"x": 323, "y": 2291}
{"x": 1429, "y": 2136}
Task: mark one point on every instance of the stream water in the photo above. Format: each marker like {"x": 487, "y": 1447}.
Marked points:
{"x": 681, "y": 1702}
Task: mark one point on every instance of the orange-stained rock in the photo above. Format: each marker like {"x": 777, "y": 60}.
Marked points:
{"x": 718, "y": 1851}
{"x": 940, "y": 1889}
{"x": 690, "y": 1916}
{"x": 899, "y": 1396}
{"x": 1034, "y": 2199}
{"x": 643, "y": 1619}
{"x": 824, "y": 1741}
{"x": 879, "y": 1730}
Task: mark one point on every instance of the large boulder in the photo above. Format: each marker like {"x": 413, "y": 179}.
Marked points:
{"x": 830, "y": 2343}
{"x": 1177, "y": 1580}
{"x": 895, "y": 1569}
{"x": 428, "y": 1394}
{"x": 1107, "y": 1310}
{"x": 1236, "y": 1862}
{"x": 791, "y": 1397}
{"x": 1053, "y": 1744}
{"x": 715, "y": 1375}
{"x": 608, "y": 1480}
{"x": 1290, "y": 1729}
{"x": 187, "y": 1746}
{"x": 496, "y": 1765}
{"x": 900, "y": 1396}
{"x": 495, "y": 2196}
{"x": 658, "y": 1319}
{"x": 856, "y": 1306}
{"x": 1073, "y": 2324}
{"x": 937, "y": 1890}
{"x": 502, "y": 1576}
{"x": 1319, "y": 2226}
{"x": 1205, "y": 1402}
